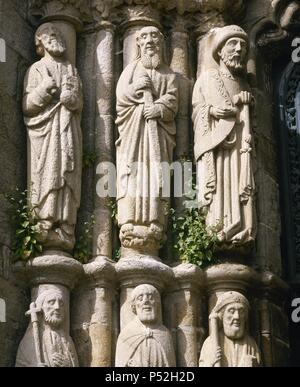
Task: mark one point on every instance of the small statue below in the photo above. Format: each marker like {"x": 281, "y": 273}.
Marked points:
{"x": 145, "y": 342}
{"x": 224, "y": 141}
{"x": 52, "y": 106}
{"x": 229, "y": 343}
{"x": 46, "y": 342}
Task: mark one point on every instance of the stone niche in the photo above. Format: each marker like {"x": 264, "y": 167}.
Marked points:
{"x": 120, "y": 82}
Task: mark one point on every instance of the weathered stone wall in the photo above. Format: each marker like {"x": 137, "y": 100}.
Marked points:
{"x": 18, "y": 35}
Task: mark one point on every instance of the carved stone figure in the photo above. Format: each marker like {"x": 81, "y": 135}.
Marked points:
{"x": 47, "y": 342}
{"x": 147, "y": 104}
{"x": 52, "y": 108}
{"x": 224, "y": 142}
{"x": 145, "y": 342}
{"x": 229, "y": 344}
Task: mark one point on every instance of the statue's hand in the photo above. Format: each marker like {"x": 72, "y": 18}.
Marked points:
{"x": 218, "y": 356}
{"x": 152, "y": 112}
{"x": 67, "y": 97}
{"x": 222, "y": 113}
{"x": 50, "y": 85}
{"x": 244, "y": 98}
{"x": 144, "y": 82}
{"x": 60, "y": 361}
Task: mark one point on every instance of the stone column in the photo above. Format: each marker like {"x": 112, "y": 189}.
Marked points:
{"x": 180, "y": 64}
{"x": 92, "y": 323}
{"x": 183, "y": 313}
{"x": 272, "y": 321}
{"x": 104, "y": 135}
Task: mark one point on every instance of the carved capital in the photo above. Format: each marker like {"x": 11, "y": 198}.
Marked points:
{"x": 73, "y": 11}
{"x": 139, "y": 15}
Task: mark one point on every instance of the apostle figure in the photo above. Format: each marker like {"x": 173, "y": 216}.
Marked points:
{"x": 229, "y": 343}
{"x": 145, "y": 342}
{"x": 224, "y": 142}
{"x": 52, "y": 108}
{"x": 147, "y": 104}
{"x": 46, "y": 342}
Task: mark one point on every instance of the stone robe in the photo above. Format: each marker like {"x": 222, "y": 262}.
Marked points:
{"x": 54, "y": 145}
{"x": 235, "y": 353}
{"x": 225, "y": 173}
{"x": 139, "y": 346}
{"x": 52, "y": 342}
{"x": 140, "y": 187}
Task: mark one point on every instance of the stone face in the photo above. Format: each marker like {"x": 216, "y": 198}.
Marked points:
{"x": 229, "y": 345}
{"x": 138, "y": 61}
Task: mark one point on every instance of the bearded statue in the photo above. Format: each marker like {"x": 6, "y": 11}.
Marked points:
{"x": 223, "y": 149}
{"x": 47, "y": 342}
{"x": 145, "y": 341}
{"x": 229, "y": 343}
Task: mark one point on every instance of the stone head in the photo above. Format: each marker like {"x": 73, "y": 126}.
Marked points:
{"x": 51, "y": 303}
{"x": 150, "y": 46}
{"x": 233, "y": 312}
{"x": 146, "y": 304}
{"x": 231, "y": 47}
{"x": 49, "y": 39}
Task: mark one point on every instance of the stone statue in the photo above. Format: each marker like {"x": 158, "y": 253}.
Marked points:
{"x": 46, "y": 342}
{"x": 52, "y": 108}
{"x": 147, "y": 104}
{"x": 229, "y": 344}
{"x": 145, "y": 342}
{"x": 223, "y": 141}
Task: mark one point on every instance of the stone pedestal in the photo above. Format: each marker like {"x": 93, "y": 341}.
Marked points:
{"x": 139, "y": 270}
{"x": 92, "y": 324}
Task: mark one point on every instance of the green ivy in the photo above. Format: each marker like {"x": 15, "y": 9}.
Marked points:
{"x": 89, "y": 159}
{"x": 25, "y": 245}
{"x": 112, "y": 205}
{"x": 194, "y": 242}
{"x": 116, "y": 254}
{"x": 83, "y": 250}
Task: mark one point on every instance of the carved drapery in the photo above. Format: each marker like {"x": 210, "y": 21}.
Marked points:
{"x": 97, "y": 312}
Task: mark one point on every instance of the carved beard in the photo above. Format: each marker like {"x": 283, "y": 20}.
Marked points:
{"x": 55, "y": 48}
{"x": 233, "y": 63}
{"x": 233, "y": 332}
{"x": 151, "y": 62}
{"x": 53, "y": 321}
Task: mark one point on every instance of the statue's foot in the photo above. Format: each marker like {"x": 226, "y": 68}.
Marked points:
{"x": 242, "y": 237}
{"x": 58, "y": 239}
{"x": 67, "y": 229}
{"x": 222, "y": 236}
{"x": 43, "y": 229}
